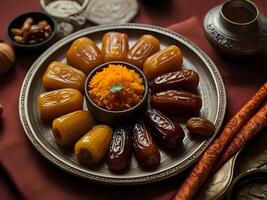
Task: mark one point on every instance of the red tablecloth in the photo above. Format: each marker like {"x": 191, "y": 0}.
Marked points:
{"x": 25, "y": 174}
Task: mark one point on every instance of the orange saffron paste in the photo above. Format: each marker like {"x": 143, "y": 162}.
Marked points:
{"x": 116, "y": 88}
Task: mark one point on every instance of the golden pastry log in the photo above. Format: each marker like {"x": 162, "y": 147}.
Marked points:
{"x": 164, "y": 61}
{"x": 59, "y": 102}
{"x": 93, "y": 146}
{"x": 68, "y": 128}
{"x": 84, "y": 54}
{"x": 59, "y": 75}
{"x": 115, "y": 46}
{"x": 146, "y": 46}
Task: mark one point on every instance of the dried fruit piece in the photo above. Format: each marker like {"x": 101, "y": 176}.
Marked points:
{"x": 146, "y": 46}
{"x": 184, "y": 79}
{"x": 84, "y": 54}
{"x": 115, "y": 46}
{"x": 164, "y": 61}
{"x": 31, "y": 33}
{"x": 145, "y": 149}
{"x": 68, "y": 128}
{"x": 200, "y": 126}
{"x": 176, "y": 102}
{"x": 169, "y": 133}
{"x": 59, "y": 102}
{"x": 59, "y": 75}
{"x": 93, "y": 146}
{"x": 120, "y": 150}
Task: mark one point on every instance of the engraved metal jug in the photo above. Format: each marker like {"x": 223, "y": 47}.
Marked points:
{"x": 236, "y": 28}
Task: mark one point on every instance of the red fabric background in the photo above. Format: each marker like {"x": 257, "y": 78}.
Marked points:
{"x": 25, "y": 173}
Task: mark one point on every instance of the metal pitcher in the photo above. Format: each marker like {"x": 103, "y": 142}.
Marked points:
{"x": 236, "y": 28}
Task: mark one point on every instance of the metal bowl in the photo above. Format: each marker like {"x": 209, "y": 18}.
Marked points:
{"x": 249, "y": 185}
{"x": 113, "y": 117}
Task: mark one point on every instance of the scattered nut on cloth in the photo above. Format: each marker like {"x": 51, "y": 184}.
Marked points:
{"x": 7, "y": 57}
{"x": 1, "y": 109}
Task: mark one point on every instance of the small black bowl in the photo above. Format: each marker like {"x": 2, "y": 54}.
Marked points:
{"x": 37, "y": 16}
{"x": 244, "y": 182}
{"x": 112, "y": 117}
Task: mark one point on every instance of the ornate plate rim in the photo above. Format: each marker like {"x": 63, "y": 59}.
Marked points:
{"x": 157, "y": 176}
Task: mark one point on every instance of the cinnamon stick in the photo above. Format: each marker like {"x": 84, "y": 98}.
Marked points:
{"x": 203, "y": 167}
{"x": 254, "y": 125}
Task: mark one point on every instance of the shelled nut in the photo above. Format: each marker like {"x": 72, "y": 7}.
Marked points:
{"x": 1, "y": 109}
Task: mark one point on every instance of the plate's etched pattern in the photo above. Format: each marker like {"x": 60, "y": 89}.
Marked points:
{"x": 111, "y": 180}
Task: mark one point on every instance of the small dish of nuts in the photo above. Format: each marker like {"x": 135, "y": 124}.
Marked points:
{"x": 32, "y": 30}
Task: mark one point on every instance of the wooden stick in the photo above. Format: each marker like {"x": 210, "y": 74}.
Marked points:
{"x": 203, "y": 167}
{"x": 254, "y": 125}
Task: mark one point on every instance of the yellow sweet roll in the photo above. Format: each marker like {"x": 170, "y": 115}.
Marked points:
{"x": 116, "y": 88}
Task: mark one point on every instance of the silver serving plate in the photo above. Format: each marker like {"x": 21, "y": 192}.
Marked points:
{"x": 211, "y": 89}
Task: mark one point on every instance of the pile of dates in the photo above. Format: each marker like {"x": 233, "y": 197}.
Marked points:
{"x": 158, "y": 126}
{"x": 30, "y": 33}
{"x": 172, "y": 94}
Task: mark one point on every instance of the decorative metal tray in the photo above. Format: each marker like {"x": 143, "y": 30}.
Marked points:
{"x": 211, "y": 89}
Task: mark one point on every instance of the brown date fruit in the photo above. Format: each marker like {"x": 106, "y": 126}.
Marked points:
{"x": 115, "y": 46}
{"x": 145, "y": 149}
{"x": 169, "y": 133}
{"x": 36, "y": 32}
{"x": 146, "y": 46}
{"x": 120, "y": 150}
{"x": 200, "y": 126}
{"x": 184, "y": 79}
{"x": 176, "y": 102}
